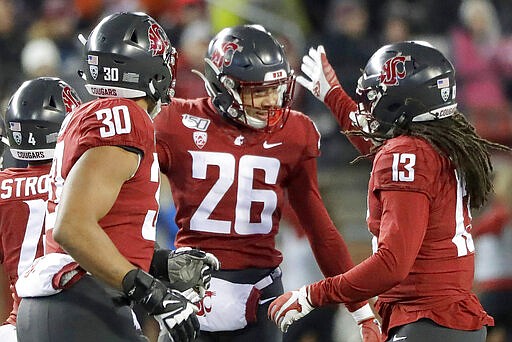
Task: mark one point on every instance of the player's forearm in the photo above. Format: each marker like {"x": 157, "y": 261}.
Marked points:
{"x": 342, "y": 262}
{"x": 364, "y": 281}
{"x": 341, "y": 105}
{"x": 401, "y": 234}
{"x": 331, "y": 252}
{"x": 91, "y": 247}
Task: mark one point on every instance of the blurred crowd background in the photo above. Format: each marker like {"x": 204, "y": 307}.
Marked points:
{"x": 39, "y": 38}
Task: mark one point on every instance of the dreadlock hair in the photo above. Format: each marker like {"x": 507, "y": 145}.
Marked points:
{"x": 456, "y": 139}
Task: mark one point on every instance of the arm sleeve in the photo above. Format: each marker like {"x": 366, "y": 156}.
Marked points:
{"x": 328, "y": 246}
{"x": 401, "y": 234}
{"x": 163, "y": 155}
{"x": 163, "y": 138}
{"x": 341, "y": 105}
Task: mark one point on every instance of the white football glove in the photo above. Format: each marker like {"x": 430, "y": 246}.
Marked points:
{"x": 321, "y": 78}
{"x": 290, "y": 307}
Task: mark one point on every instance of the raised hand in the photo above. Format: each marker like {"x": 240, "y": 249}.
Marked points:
{"x": 290, "y": 307}
{"x": 321, "y": 78}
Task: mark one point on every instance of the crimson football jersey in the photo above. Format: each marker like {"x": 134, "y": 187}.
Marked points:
{"x": 23, "y": 197}
{"x": 423, "y": 261}
{"x": 130, "y": 223}
{"x": 230, "y": 184}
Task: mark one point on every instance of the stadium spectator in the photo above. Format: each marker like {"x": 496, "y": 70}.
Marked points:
{"x": 481, "y": 70}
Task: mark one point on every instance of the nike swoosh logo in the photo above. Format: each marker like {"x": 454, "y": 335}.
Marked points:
{"x": 266, "y": 145}
{"x": 396, "y": 338}
{"x": 266, "y": 300}
{"x": 173, "y": 312}
{"x": 166, "y": 302}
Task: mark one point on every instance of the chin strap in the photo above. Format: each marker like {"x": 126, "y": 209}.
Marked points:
{"x": 220, "y": 100}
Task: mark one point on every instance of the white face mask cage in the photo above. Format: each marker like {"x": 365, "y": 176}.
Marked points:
{"x": 368, "y": 98}
{"x": 260, "y": 117}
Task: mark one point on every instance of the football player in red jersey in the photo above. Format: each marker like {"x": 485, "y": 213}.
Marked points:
{"x": 429, "y": 168}
{"x": 34, "y": 115}
{"x": 4, "y": 142}
{"x": 103, "y": 201}
{"x": 233, "y": 159}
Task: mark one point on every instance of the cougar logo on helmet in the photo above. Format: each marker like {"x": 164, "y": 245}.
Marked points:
{"x": 223, "y": 55}
{"x": 70, "y": 99}
{"x": 158, "y": 44}
{"x": 393, "y": 70}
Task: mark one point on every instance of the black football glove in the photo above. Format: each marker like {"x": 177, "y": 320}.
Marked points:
{"x": 173, "y": 311}
{"x": 188, "y": 270}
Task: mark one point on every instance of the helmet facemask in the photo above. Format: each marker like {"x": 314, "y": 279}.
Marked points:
{"x": 264, "y": 105}
{"x": 367, "y": 99}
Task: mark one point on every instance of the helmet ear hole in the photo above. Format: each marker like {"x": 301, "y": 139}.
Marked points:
{"x": 52, "y": 103}
{"x": 228, "y": 82}
{"x": 134, "y": 37}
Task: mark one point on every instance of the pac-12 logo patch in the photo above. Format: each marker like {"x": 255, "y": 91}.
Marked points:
{"x": 17, "y": 137}
{"x": 94, "y": 71}
{"x": 200, "y": 139}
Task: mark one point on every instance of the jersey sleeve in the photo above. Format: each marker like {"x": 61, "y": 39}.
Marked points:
{"x": 401, "y": 234}
{"x": 162, "y": 122}
{"x": 324, "y": 238}
{"x": 116, "y": 122}
{"x": 341, "y": 105}
{"x": 312, "y": 139}
{"x": 409, "y": 165}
